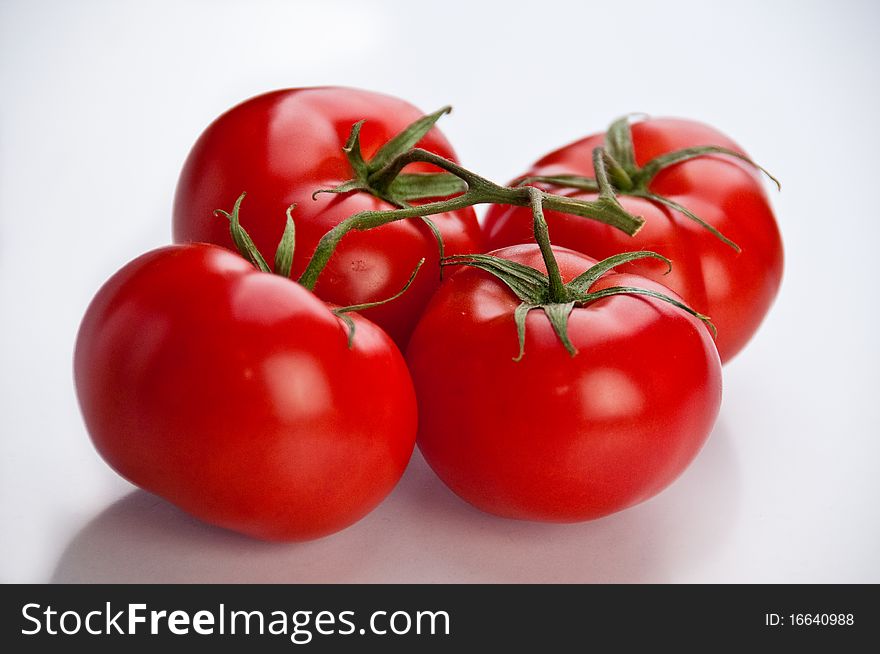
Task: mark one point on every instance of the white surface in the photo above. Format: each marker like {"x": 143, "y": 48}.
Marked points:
{"x": 102, "y": 100}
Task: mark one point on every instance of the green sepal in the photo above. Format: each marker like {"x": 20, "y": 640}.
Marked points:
{"x": 582, "y": 283}
{"x": 349, "y": 324}
{"x": 618, "y": 142}
{"x": 647, "y": 172}
{"x": 519, "y": 318}
{"x": 556, "y": 313}
{"x": 438, "y": 237}
{"x": 672, "y": 204}
{"x": 600, "y": 165}
{"x": 286, "y": 246}
{"x": 528, "y": 284}
{"x": 340, "y": 312}
{"x": 345, "y": 187}
{"x": 352, "y": 150}
{"x": 406, "y": 139}
{"x": 622, "y": 180}
{"x": 406, "y": 187}
{"x": 241, "y": 238}
{"x": 634, "y": 290}
{"x": 421, "y": 186}
{"x": 607, "y": 194}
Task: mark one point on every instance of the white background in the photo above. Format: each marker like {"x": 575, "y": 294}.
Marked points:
{"x": 102, "y": 100}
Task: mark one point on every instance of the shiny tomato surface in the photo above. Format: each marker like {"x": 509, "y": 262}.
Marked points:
{"x": 233, "y": 394}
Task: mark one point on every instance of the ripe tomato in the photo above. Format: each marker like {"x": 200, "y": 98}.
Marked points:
{"x": 736, "y": 289}
{"x": 552, "y": 436}
{"x": 283, "y": 146}
{"x": 233, "y": 394}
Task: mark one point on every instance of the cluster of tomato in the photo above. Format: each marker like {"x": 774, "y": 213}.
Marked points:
{"x": 539, "y": 382}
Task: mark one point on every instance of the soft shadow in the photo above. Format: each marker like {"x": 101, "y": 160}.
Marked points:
{"x": 423, "y": 533}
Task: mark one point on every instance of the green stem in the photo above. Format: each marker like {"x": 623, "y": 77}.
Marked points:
{"x": 599, "y": 166}
{"x": 619, "y": 144}
{"x": 542, "y": 237}
{"x": 479, "y": 191}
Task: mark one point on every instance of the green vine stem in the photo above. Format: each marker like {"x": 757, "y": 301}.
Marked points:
{"x": 542, "y": 237}
{"x": 479, "y": 191}
{"x": 342, "y": 312}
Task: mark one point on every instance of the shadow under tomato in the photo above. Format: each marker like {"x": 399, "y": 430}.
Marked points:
{"x": 422, "y": 533}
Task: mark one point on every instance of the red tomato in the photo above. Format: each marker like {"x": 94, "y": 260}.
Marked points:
{"x": 556, "y": 437}
{"x": 736, "y": 289}
{"x": 283, "y": 146}
{"x": 233, "y": 394}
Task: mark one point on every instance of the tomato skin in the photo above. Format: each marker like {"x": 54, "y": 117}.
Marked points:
{"x": 232, "y": 393}
{"x": 735, "y": 289}
{"x": 283, "y": 146}
{"x": 554, "y": 437}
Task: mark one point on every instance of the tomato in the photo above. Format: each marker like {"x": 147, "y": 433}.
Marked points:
{"x": 233, "y": 394}
{"x": 556, "y": 437}
{"x": 736, "y": 289}
{"x": 283, "y": 146}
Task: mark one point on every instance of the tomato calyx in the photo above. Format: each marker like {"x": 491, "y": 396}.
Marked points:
{"x": 246, "y": 247}
{"x": 618, "y": 174}
{"x": 548, "y": 292}
{"x": 403, "y": 189}
{"x": 284, "y": 260}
